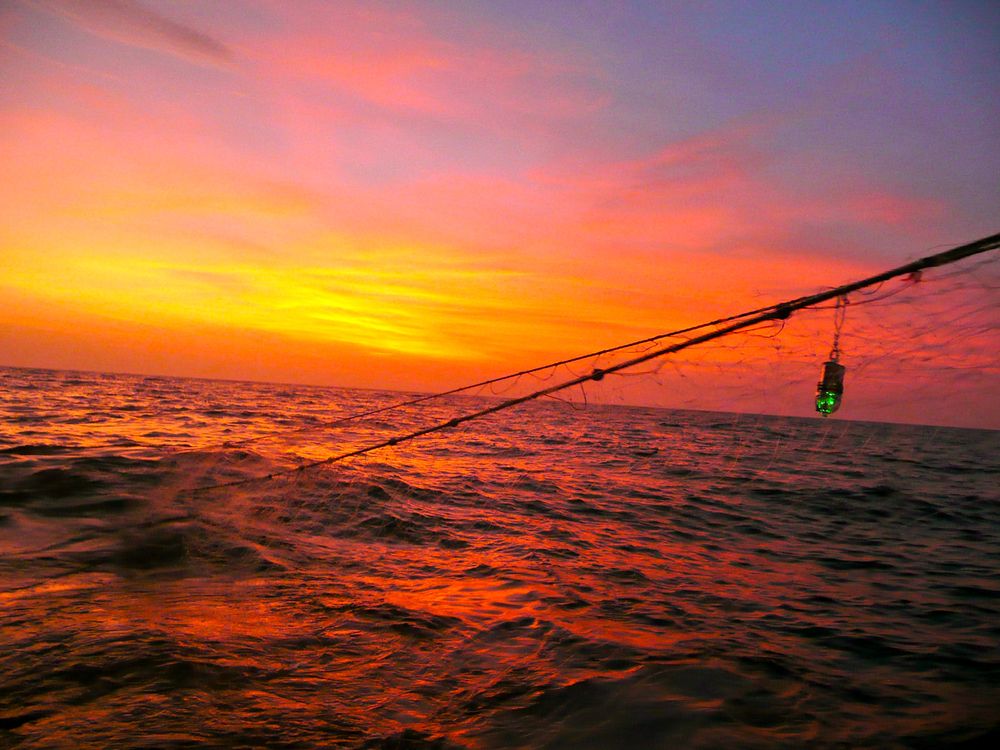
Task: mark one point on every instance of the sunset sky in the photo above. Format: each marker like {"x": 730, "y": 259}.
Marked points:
{"x": 414, "y": 195}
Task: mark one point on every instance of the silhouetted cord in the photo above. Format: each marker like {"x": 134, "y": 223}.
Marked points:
{"x": 500, "y": 379}
{"x": 780, "y": 312}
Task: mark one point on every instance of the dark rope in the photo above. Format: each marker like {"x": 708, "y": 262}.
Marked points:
{"x": 779, "y": 312}
{"x": 493, "y": 381}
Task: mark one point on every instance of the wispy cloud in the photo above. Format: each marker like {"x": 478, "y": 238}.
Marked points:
{"x": 404, "y": 65}
{"x": 129, "y": 22}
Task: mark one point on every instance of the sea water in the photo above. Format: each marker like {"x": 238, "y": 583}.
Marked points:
{"x": 554, "y": 576}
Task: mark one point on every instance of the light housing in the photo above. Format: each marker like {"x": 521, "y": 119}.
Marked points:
{"x": 830, "y": 388}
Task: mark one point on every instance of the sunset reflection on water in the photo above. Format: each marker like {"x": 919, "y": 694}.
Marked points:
{"x": 603, "y": 577}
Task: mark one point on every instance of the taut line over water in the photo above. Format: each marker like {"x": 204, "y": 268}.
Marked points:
{"x": 780, "y": 311}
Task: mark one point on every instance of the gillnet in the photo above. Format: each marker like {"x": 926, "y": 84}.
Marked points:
{"x": 675, "y": 553}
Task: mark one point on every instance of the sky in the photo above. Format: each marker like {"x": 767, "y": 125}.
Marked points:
{"x": 417, "y": 195}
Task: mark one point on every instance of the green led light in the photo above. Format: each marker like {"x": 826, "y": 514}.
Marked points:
{"x": 830, "y": 388}
{"x": 827, "y": 402}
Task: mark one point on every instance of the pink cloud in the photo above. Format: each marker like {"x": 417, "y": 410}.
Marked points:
{"x": 398, "y": 62}
{"x": 725, "y": 191}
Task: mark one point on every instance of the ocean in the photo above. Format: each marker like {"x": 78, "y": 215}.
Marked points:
{"x": 553, "y": 576}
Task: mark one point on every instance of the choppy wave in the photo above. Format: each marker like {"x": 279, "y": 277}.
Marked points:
{"x": 526, "y": 583}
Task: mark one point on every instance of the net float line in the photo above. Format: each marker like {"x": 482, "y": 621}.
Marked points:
{"x": 780, "y": 312}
